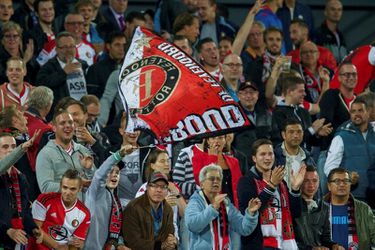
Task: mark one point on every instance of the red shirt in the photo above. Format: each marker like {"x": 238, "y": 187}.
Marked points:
{"x": 58, "y": 221}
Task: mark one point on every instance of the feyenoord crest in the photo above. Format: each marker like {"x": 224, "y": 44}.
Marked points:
{"x": 165, "y": 90}
{"x": 157, "y": 79}
{"x": 75, "y": 223}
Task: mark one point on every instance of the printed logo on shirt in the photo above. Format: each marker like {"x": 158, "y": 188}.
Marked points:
{"x": 75, "y": 223}
{"x": 339, "y": 220}
{"x": 58, "y": 233}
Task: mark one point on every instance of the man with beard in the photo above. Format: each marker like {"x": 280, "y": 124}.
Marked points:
{"x": 266, "y": 70}
{"x": 353, "y": 149}
{"x": 299, "y": 34}
{"x": 62, "y": 154}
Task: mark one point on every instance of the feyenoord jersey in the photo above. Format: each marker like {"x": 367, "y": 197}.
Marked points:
{"x": 86, "y": 52}
{"x": 59, "y": 222}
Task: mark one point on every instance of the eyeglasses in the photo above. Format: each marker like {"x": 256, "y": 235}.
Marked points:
{"x": 213, "y": 178}
{"x": 12, "y": 37}
{"x": 308, "y": 52}
{"x": 67, "y": 47}
{"x": 349, "y": 74}
{"x": 156, "y": 186}
{"x": 75, "y": 23}
{"x": 232, "y": 65}
{"x": 341, "y": 181}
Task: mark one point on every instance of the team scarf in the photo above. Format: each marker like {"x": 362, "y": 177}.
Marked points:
{"x": 115, "y": 221}
{"x": 268, "y": 220}
{"x": 353, "y": 241}
{"x": 166, "y": 91}
{"x": 313, "y": 85}
{"x": 219, "y": 226}
{"x": 15, "y": 191}
{"x": 268, "y": 62}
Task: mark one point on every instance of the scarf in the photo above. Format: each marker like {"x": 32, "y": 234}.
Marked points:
{"x": 268, "y": 62}
{"x": 353, "y": 242}
{"x": 115, "y": 222}
{"x": 313, "y": 86}
{"x": 15, "y": 192}
{"x": 219, "y": 226}
{"x": 268, "y": 220}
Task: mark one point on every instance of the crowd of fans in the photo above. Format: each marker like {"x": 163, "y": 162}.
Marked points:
{"x": 301, "y": 177}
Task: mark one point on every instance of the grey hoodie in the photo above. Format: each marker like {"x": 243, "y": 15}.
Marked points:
{"x": 52, "y": 162}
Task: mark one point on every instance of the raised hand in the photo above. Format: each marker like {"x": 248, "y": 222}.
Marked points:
{"x": 26, "y": 145}
{"x": 258, "y": 5}
{"x": 354, "y": 176}
{"x": 218, "y": 200}
{"x": 126, "y": 149}
{"x": 29, "y": 51}
{"x": 318, "y": 124}
{"x": 325, "y": 130}
{"x": 87, "y": 161}
{"x": 277, "y": 175}
{"x": 254, "y": 205}
{"x": 297, "y": 180}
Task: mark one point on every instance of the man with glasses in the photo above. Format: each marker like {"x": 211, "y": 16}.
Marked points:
{"x": 64, "y": 73}
{"x": 232, "y": 72}
{"x": 353, "y": 148}
{"x": 211, "y": 218}
{"x": 148, "y": 219}
{"x": 74, "y": 25}
{"x": 334, "y": 107}
{"x": 352, "y": 221}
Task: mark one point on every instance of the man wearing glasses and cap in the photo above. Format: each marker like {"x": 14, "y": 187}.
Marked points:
{"x": 148, "y": 219}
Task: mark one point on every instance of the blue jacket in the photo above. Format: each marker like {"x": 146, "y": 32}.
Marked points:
{"x": 359, "y": 155}
{"x": 198, "y": 217}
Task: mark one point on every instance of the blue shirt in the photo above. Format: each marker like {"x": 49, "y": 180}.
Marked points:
{"x": 157, "y": 216}
{"x": 339, "y": 221}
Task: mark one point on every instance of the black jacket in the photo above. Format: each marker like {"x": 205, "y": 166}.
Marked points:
{"x": 282, "y": 113}
{"x": 244, "y": 139}
{"x": 97, "y": 75}
{"x": 54, "y": 77}
{"x": 313, "y": 228}
{"x": 334, "y": 110}
{"x": 7, "y": 212}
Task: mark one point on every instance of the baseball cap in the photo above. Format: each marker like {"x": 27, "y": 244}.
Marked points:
{"x": 157, "y": 176}
{"x": 247, "y": 84}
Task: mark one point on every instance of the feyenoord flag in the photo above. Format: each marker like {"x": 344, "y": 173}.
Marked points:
{"x": 166, "y": 91}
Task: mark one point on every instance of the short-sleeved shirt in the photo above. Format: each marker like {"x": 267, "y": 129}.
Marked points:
{"x": 58, "y": 221}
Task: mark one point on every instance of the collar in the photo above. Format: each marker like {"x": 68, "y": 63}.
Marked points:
{"x": 117, "y": 16}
